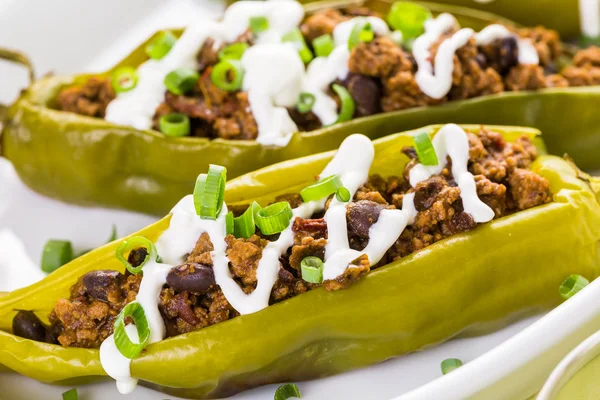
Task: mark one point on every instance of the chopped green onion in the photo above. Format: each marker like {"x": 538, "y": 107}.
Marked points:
{"x": 113, "y": 234}
{"x": 229, "y": 223}
{"x": 258, "y": 24}
{"x": 274, "y": 218}
{"x": 408, "y": 18}
{"x": 160, "y": 45}
{"x": 295, "y": 36}
{"x": 450, "y": 364}
{"x": 572, "y": 285}
{"x": 209, "y": 192}
{"x": 348, "y": 105}
{"x": 287, "y": 391}
{"x": 312, "y": 269}
{"x": 306, "y": 101}
{"x": 233, "y": 51}
{"x": 323, "y": 45}
{"x": 228, "y": 75}
{"x": 135, "y": 311}
{"x": 124, "y": 79}
{"x": 56, "y": 253}
{"x": 342, "y": 194}
{"x": 244, "y": 225}
{"x": 181, "y": 80}
{"x": 425, "y": 149}
{"x": 322, "y": 189}
{"x": 133, "y": 243}
{"x": 70, "y": 394}
{"x": 174, "y": 125}
{"x": 361, "y": 32}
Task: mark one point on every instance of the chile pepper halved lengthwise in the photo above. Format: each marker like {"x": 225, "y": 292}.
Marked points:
{"x": 472, "y": 281}
{"x": 90, "y": 161}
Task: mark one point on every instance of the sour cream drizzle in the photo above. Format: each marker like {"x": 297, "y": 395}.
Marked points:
{"x": 436, "y": 83}
{"x": 589, "y": 16}
{"x": 352, "y": 162}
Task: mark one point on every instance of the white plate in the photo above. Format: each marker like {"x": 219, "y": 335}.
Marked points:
{"x": 72, "y": 36}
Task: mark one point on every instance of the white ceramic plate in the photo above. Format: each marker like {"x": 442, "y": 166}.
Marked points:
{"x": 71, "y": 36}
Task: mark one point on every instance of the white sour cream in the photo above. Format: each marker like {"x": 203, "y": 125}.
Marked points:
{"x": 17, "y": 270}
{"x": 589, "y": 17}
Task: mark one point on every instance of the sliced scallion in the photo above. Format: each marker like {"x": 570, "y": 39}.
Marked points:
{"x": 312, "y": 269}
{"x": 408, "y": 18}
{"x": 175, "y": 125}
{"x": 258, "y": 24}
{"x": 348, "y": 105}
{"x": 450, "y": 364}
{"x": 233, "y": 51}
{"x": 323, "y": 45}
{"x": 209, "y": 192}
{"x": 361, "y": 32}
{"x": 572, "y": 285}
{"x": 244, "y": 225}
{"x": 274, "y": 218}
{"x": 425, "y": 149}
{"x": 56, "y": 253}
{"x": 124, "y": 79}
{"x": 135, "y": 311}
{"x": 160, "y": 45}
{"x": 287, "y": 391}
{"x": 70, "y": 394}
{"x": 295, "y": 36}
{"x": 228, "y": 75}
{"x": 229, "y": 223}
{"x": 181, "y": 80}
{"x": 322, "y": 189}
{"x": 306, "y": 101}
{"x": 133, "y": 243}
{"x": 342, "y": 194}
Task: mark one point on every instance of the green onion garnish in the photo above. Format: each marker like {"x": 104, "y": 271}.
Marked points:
{"x": 572, "y": 285}
{"x": 287, "y": 391}
{"x": 135, "y": 311}
{"x": 209, "y": 192}
{"x": 347, "y": 109}
{"x": 450, "y": 364}
{"x": 124, "y": 79}
{"x": 181, "y": 81}
{"x": 323, "y": 45}
{"x": 322, "y": 189}
{"x": 56, "y": 253}
{"x": 295, "y": 36}
{"x": 174, "y": 124}
{"x": 312, "y": 269}
{"x": 342, "y": 194}
{"x": 160, "y": 45}
{"x": 229, "y": 223}
{"x": 228, "y": 75}
{"x": 244, "y": 226}
{"x": 133, "y": 243}
{"x": 306, "y": 101}
{"x": 274, "y": 218}
{"x": 425, "y": 149}
{"x": 70, "y": 394}
{"x": 362, "y": 32}
{"x": 258, "y": 24}
{"x": 408, "y": 18}
{"x": 233, "y": 51}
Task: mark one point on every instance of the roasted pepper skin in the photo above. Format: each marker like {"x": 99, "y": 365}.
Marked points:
{"x": 474, "y": 281}
{"x": 89, "y": 161}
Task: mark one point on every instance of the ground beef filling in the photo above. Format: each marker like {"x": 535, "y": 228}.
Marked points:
{"x": 381, "y": 79}
{"x": 191, "y": 299}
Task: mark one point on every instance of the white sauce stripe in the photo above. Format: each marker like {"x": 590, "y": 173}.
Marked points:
{"x": 589, "y": 17}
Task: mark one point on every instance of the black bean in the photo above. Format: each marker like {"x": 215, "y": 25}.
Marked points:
{"x": 508, "y": 54}
{"x": 366, "y": 93}
{"x": 98, "y": 283}
{"x": 27, "y": 325}
{"x": 362, "y": 215}
{"x": 426, "y": 192}
{"x": 137, "y": 256}
{"x": 192, "y": 277}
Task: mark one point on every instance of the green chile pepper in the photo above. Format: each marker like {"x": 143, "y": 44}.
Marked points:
{"x": 467, "y": 283}
{"x": 90, "y": 161}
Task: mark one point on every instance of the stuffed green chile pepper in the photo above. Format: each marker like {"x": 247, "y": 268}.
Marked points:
{"x": 439, "y": 231}
{"x": 270, "y": 82}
